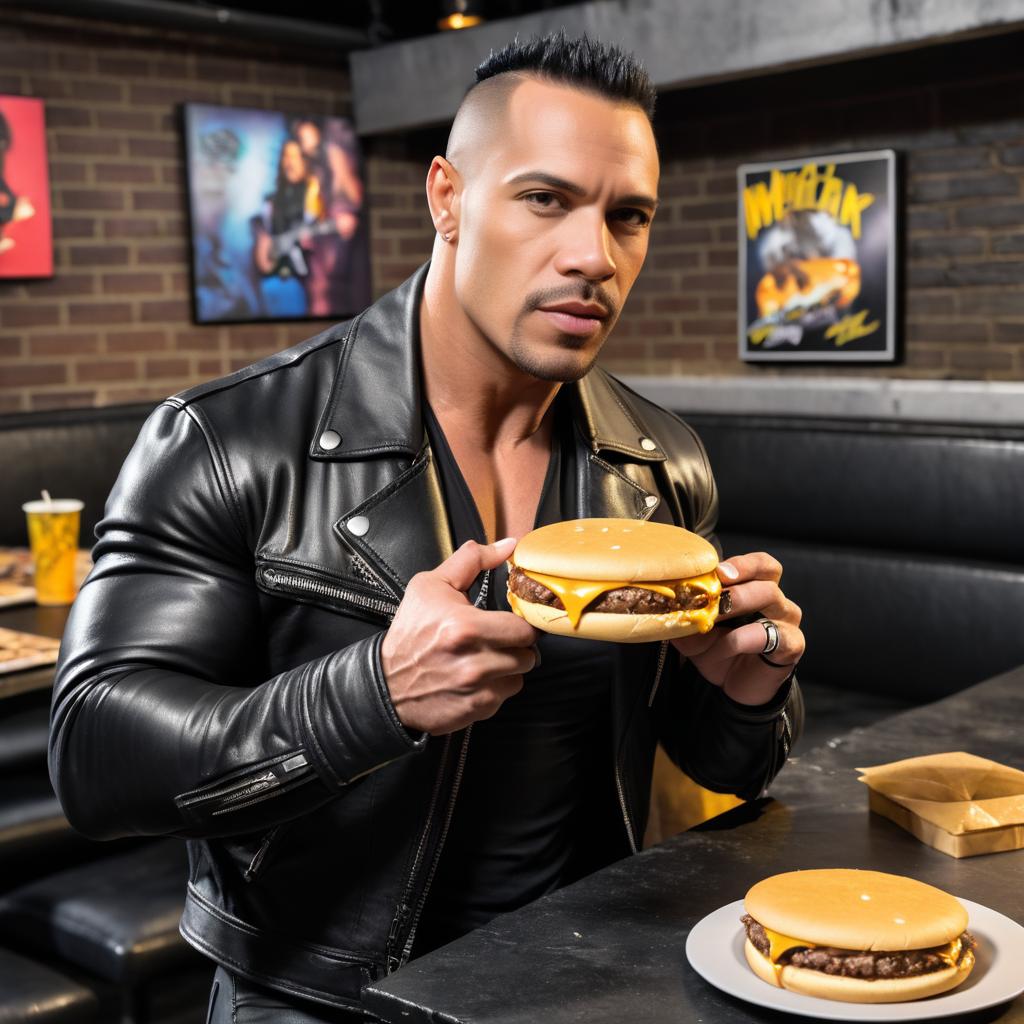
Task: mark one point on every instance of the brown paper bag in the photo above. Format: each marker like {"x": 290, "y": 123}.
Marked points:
{"x": 957, "y": 802}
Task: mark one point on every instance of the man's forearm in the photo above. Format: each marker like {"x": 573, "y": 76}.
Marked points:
{"x": 137, "y": 749}
{"x": 725, "y": 746}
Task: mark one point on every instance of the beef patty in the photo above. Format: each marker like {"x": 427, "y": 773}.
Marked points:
{"x": 634, "y": 600}
{"x": 851, "y": 964}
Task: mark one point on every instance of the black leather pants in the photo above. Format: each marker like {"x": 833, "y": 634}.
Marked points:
{"x": 235, "y": 1000}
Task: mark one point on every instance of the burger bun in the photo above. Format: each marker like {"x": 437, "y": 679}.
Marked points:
{"x": 853, "y": 908}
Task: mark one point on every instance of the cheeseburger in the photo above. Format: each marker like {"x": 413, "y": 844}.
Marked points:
{"x": 856, "y": 936}
{"x": 615, "y": 579}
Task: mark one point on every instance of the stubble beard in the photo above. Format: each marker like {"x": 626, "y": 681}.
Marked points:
{"x": 569, "y": 360}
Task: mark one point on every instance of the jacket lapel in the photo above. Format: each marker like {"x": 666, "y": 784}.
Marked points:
{"x": 397, "y": 525}
{"x": 401, "y": 529}
{"x": 603, "y": 491}
{"x": 374, "y": 406}
{"x": 613, "y": 454}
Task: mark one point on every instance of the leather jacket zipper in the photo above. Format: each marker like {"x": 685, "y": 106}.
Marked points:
{"x": 278, "y": 579}
{"x": 421, "y": 902}
{"x": 662, "y": 654}
{"x": 619, "y": 785}
{"x": 408, "y": 913}
{"x": 257, "y": 861}
{"x": 261, "y": 784}
{"x": 783, "y": 741}
{"x": 631, "y": 835}
{"x": 404, "y": 910}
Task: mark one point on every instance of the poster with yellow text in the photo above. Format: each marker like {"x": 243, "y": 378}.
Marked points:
{"x": 817, "y": 259}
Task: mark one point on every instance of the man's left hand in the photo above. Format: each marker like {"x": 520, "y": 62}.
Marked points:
{"x": 730, "y": 655}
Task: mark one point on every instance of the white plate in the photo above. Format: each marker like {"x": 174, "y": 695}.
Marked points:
{"x": 714, "y": 948}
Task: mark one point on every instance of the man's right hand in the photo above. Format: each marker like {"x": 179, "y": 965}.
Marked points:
{"x": 446, "y": 663}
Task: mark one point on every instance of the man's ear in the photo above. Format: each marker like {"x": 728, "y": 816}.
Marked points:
{"x": 444, "y": 187}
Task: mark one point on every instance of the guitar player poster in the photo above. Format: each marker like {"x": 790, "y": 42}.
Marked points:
{"x": 817, "y": 259}
{"x": 278, "y": 220}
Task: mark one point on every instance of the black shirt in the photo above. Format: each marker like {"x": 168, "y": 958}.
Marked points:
{"x": 536, "y": 807}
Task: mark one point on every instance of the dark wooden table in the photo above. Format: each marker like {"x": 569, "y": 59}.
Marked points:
{"x": 43, "y": 621}
{"x": 31, "y": 618}
{"x": 610, "y": 949}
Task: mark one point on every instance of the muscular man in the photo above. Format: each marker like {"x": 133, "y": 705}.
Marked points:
{"x": 294, "y": 650}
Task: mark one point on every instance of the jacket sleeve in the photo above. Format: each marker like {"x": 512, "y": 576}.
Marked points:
{"x": 722, "y": 745}
{"x": 160, "y": 723}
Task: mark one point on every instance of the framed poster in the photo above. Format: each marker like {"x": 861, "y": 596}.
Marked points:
{"x": 278, "y": 225}
{"x": 817, "y": 241}
{"x": 26, "y": 229}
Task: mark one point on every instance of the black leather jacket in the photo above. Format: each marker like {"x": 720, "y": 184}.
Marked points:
{"x": 219, "y": 677}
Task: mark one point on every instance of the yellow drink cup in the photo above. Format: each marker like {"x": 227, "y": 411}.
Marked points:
{"x": 53, "y": 536}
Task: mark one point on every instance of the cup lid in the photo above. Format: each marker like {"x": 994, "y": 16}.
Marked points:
{"x": 55, "y": 505}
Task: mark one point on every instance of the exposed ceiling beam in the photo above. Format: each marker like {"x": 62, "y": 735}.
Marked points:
{"x": 214, "y": 19}
{"x": 420, "y": 82}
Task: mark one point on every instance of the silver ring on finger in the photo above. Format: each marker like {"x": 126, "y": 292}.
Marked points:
{"x": 771, "y": 636}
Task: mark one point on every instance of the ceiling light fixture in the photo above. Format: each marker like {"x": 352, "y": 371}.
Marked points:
{"x": 460, "y": 14}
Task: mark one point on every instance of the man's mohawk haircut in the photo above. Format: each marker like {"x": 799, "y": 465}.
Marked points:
{"x": 584, "y": 63}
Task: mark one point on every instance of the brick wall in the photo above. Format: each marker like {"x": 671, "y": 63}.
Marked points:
{"x": 115, "y": 322}
{"x": 115, "y": 325}
{"x": 955, "y": 116}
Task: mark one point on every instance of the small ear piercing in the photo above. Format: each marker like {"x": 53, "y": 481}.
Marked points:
{"x": 445, "y": 236}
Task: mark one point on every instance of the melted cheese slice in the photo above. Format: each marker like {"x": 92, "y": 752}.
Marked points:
{"x": 575, "y": 595}
{"x": 951, "y": 953}
{"x": 779, "y": 944}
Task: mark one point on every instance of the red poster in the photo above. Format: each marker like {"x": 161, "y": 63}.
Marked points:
{"x": 26, "y": 236}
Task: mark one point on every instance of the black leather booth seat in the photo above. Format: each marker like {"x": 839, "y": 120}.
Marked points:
{"x": 35, "y": 837}
{"x": 113, "y": 924}
{"x": 24, "y": 727}
{"x": 116, "y": 917}
{"x": 32, "y": 993}
{"x": 903, "y": 543}
{"x": 72, "y": 453}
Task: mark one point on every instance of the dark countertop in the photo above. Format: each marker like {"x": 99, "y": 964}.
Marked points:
{"x": 610, "y": 949}
{"x": 32, "y": 618}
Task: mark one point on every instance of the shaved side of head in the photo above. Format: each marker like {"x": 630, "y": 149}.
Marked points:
{"x": 480, "y": 120}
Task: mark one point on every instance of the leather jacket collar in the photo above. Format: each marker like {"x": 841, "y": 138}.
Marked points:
{"x": 375, "y": 409}
{"x": 368, "y": 427}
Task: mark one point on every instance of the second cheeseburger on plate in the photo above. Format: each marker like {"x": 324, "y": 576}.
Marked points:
{"x": 858, "y": 936}
{"x": 624, "y": 580}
